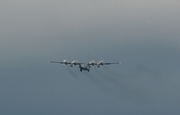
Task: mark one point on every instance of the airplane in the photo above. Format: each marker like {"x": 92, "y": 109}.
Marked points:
{"x": 84, "y": 66}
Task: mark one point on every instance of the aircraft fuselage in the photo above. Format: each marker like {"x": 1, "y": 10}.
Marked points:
{"x": 85, "y": 67}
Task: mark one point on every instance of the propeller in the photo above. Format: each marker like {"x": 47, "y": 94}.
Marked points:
{"x": 92, "y": 63}
{"x": 100, "y": 63}
{"x": 74, "y": 62}
{"x": 65, "y": 62}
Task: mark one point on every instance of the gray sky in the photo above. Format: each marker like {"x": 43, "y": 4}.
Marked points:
{"x": 143, "y": 35}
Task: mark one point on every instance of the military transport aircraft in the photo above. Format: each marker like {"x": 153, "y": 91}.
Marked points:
{"x": 84, "y": 66}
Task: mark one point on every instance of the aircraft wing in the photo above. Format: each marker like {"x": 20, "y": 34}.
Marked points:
{"x": 112, "y": 63}
{"x": 77, "y": 63}
{"x": 60, "y": 62}
{"x": 66, "y": 63}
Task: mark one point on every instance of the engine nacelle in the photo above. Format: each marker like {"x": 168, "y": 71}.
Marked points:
{"x": 74, "y": 62}
{"x": 65, "y": 62}
{"x": 100, "y": 63}
{"x": 92, "y": 63}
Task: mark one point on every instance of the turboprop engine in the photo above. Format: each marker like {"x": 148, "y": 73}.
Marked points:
{"x": 100, "y": 63}
{"x": 65, "y": 62}
{"x": 74, "y": 62}
{"x": 92, "y": 63}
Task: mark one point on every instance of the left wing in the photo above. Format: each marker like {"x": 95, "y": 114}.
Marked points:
{"x": 67, "y": 63}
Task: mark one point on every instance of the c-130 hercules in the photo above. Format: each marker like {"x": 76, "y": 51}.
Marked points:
{"x": 84, "y": 66}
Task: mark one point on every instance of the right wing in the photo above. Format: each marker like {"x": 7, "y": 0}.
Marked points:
{"x": 60, "y": 62}
{"x": 111, "y": 63}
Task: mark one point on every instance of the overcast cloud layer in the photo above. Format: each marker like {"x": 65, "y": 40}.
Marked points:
{"x": 143, "y": 35}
